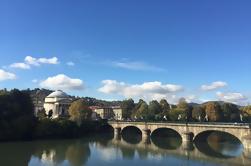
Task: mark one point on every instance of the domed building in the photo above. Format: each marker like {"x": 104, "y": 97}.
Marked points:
{"x": 57, "y": 104}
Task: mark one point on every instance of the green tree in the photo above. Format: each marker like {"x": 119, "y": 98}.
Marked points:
{"x": 183, "y": 106}
{"x": 140, "y": 110}
{"x": 79, "y": 111}
{"x": 154, "y": 110}
{"x": 16, "y": 115}
{"x": 165, "y": 107}
{"x": 127, "y": 108}
{"x": 177, "y": 114}
{"x": 41, "y": 114}
{"x": 231, "y": 112}
{"x": 198, "y": 113}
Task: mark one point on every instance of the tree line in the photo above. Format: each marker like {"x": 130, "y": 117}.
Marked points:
{"x": 18, "y": 122}
{"x": 208, "y": 112}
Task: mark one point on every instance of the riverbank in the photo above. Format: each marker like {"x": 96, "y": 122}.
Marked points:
{"x": 53, "y": 129}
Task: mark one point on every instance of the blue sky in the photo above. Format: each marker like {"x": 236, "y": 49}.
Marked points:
{"x": 114, "y": 49}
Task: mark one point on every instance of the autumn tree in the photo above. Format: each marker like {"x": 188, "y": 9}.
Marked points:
{"x": 213, "y": 111}
{"x": 246, "y": 113}
{"x": 79, "y": 111}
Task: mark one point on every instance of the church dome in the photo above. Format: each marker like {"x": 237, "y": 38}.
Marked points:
{"x": 58, "y": 94}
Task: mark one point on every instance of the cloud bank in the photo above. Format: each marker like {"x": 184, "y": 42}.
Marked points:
{"x": 148, "y": 90}
{"x": 231, "y": 97}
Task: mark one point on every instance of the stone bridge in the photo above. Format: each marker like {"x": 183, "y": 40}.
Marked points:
{"x": 188, "y": 131}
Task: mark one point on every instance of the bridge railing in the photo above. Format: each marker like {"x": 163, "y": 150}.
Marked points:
{"x": 179, "y": 122}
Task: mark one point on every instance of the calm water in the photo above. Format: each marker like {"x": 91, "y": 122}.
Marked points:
{"x": 130, "y": 149}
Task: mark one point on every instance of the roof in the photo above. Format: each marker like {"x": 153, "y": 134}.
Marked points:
{"x": 58, "y": 94}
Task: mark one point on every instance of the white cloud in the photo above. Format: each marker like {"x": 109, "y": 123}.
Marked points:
{"x": 213, "y": 86}
{"x": 31, "y": 61}
{"x": 231, "y": 97}
{"x": 53, "y": 60}
{"x": 70, "y": 63}
{"x": 62, "y": 82}
{"x": 148, "y": 90}
{"x": 20, "y": 65}
{"x": 34, "y": 81}
{"x": 134, "y": 65}
{"x": 6, "y": 75}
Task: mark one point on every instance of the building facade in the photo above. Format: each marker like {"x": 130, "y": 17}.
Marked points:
{"x": 108, "y": 112}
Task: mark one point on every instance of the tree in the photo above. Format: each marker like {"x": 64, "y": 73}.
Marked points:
{"x": 214, "y": 111}
{"x": 41, "y": 114}
{"x": 127, "y": 108}
{"x": 246, "y": 113}
{"x": 16, "y": 115}
{"x": 198, "y": 113}
{"x": 165, "y": 107}
{"x": 183, "y": 105}
{"x": 177, "y": 114}
{"x": 247, "y": 109}
{"x": 140, "y": 110}
{"x": 154, "y": 109}
{"x": 79, "y": 111}
{"x": 230, "y": 112}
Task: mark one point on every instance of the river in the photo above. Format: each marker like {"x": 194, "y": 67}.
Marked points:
{"x": 129, "y": 149}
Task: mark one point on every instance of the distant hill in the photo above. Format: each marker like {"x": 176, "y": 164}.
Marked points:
{"x": 40, "y": 94}
{"x": 96, "y": 102}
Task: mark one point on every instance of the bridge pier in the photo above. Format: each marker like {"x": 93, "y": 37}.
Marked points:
{"x": 146, "y": 135}
{"x": 187, "y": 141}
{"x": 187, "y": 137}
{"x": 246, "y": 141}
{"x": 117, "y": 132}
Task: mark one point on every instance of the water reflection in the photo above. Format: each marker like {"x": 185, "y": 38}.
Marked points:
{"x": 218, "y": 144}
{"x": 106, "y": 150}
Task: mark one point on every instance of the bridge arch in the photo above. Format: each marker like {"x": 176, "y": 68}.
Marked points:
{"x": 172, "y": 132}
{"x": 166, "y": 138}
{"x": 131, "y": 134}
{"x": 234, "y": 134}
{"x": 130, "y": 127}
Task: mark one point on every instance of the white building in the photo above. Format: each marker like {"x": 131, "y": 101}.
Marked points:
{"x": 57, "y": 103}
